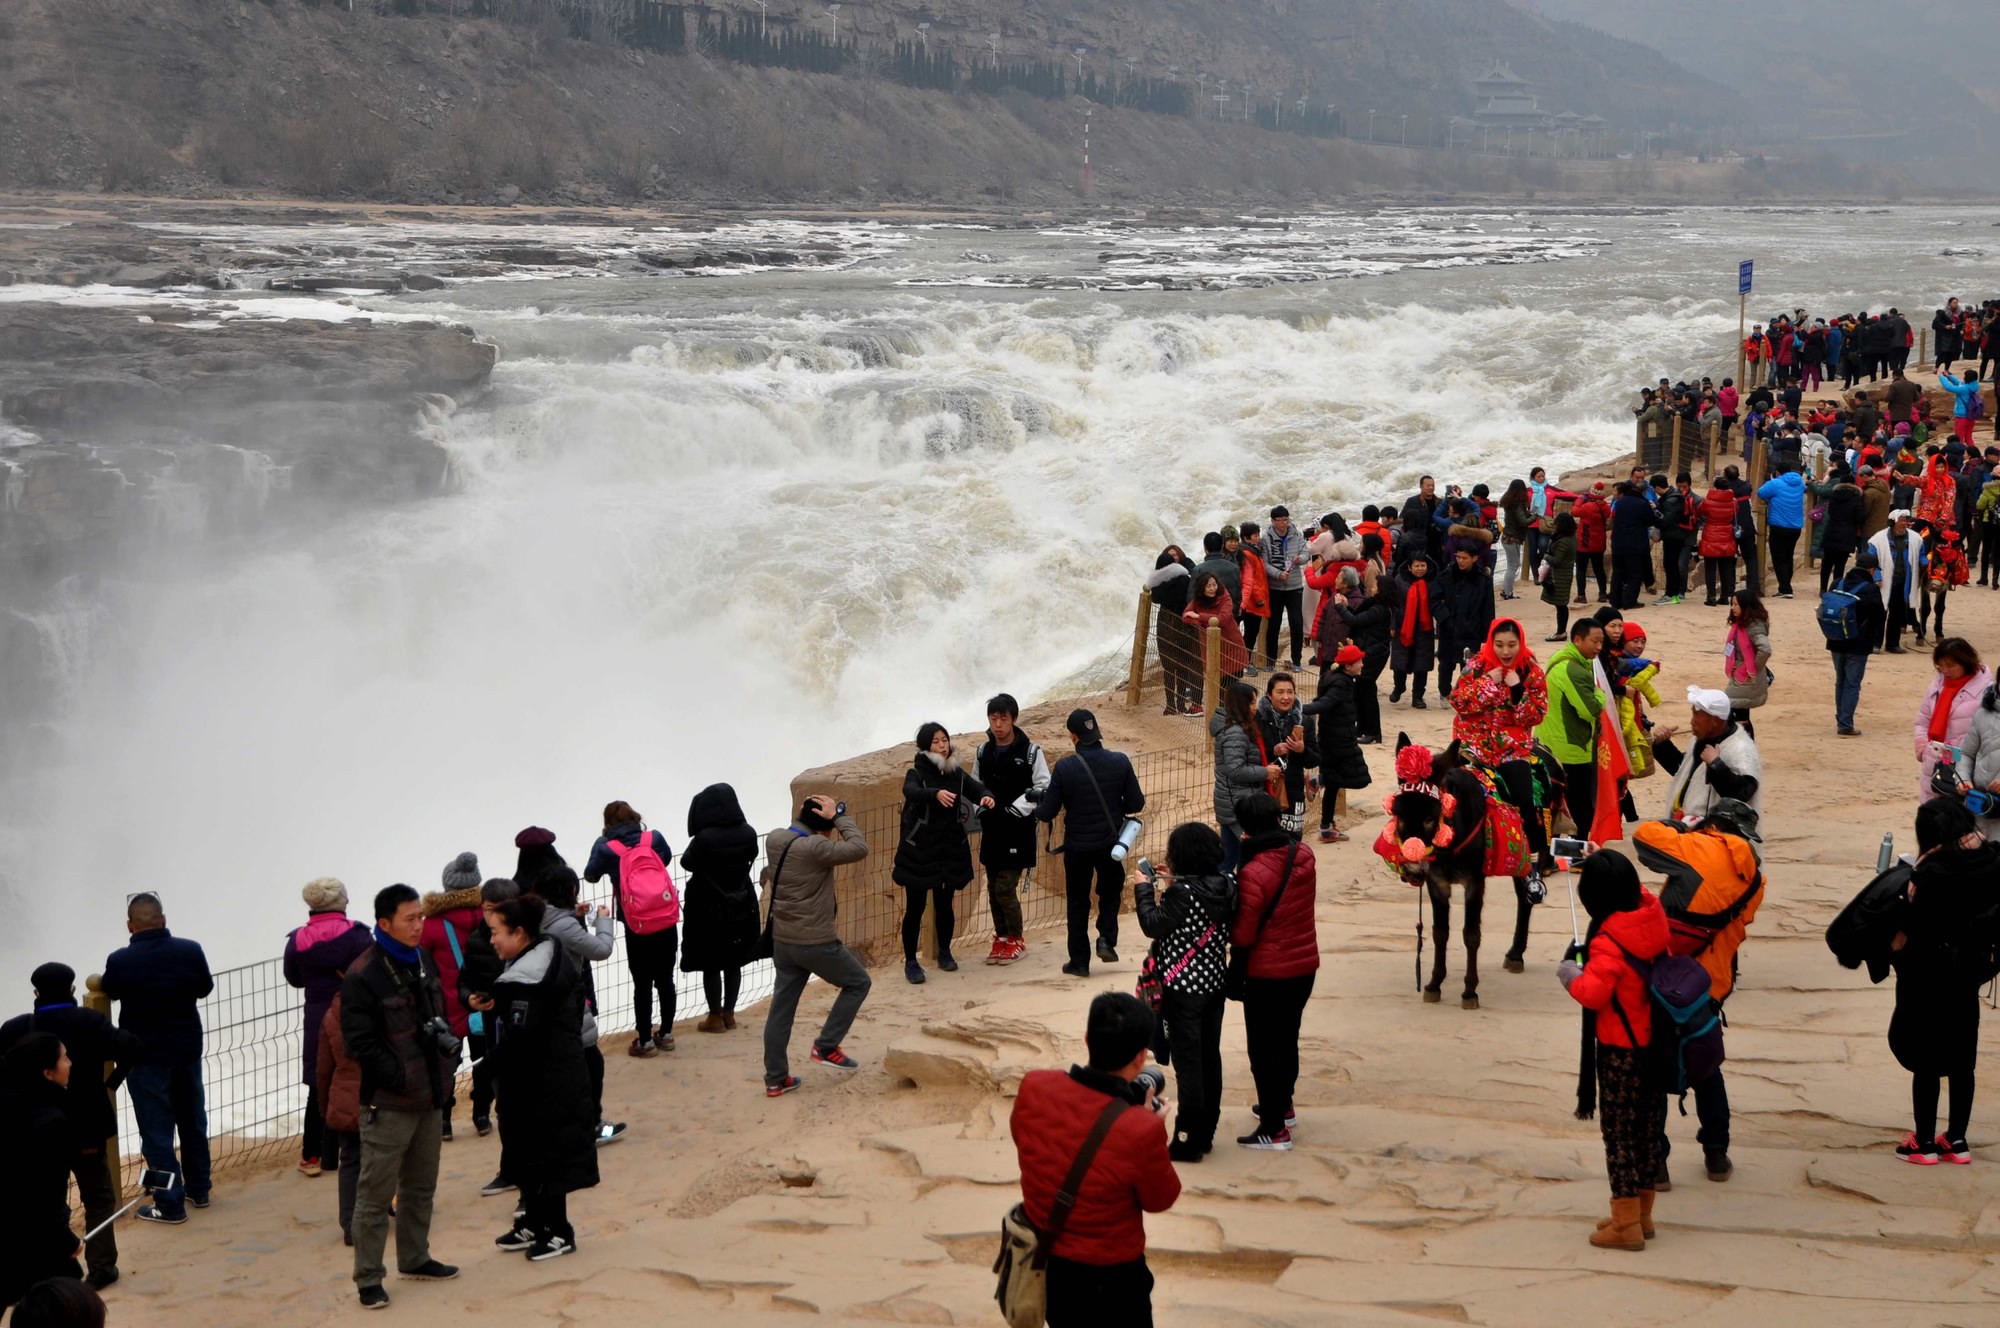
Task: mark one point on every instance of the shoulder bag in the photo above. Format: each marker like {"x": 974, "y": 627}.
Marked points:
{"x": 1238, "y": 971}
{"x": 767, "y": 941}
{"x": 475, "y": 1022}
{"x": 1023, "y": 1291}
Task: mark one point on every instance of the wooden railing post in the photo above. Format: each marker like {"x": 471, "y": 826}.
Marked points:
{"x": 1760, "y": 512}
{"x": 1923, "y": 345}
{"x": 1211, "y": 670}
{"x": 1139, "y": 629}
{"x": 95, "y": 999}
{"x": 1674, "y": 456}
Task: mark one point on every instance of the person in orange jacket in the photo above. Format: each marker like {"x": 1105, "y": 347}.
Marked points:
{"x": 1715, "y": 881}
{"x": 1256, "y": 604}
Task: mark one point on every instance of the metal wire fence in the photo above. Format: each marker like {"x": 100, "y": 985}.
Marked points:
{"x": 254, "y": 1021}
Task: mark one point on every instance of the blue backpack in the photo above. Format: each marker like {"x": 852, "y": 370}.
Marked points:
{"x": 1839, "y": 616}
{"x": 1687, "y": 1022}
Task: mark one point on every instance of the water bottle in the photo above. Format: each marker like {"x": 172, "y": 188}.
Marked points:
{"x": 1886, "y": 854}
{"x": 1127, "y": 839}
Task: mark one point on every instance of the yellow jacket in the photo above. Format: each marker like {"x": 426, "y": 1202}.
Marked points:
{"x": 1629, "y": 716}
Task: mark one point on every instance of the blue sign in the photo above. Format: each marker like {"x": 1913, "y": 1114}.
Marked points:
{"x": 1743, "y": 277}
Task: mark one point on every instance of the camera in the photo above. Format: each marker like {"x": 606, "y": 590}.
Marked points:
{"x": 438, "y": 1029}
{"x": 1155, "y": 1078}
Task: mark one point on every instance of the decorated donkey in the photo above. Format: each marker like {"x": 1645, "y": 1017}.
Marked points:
{"x": 1449, "y": 825}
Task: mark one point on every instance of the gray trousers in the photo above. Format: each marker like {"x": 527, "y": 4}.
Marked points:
{"x": 829, "y": 961}
{"x": 399, "y": 1161}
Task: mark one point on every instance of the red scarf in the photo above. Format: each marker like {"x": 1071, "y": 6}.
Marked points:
{"x": 1416, "y": 606}
{"x": 1490, "y": 661}
{"x": 1941, "y": 712}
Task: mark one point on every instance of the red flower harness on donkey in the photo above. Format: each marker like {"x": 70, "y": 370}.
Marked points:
{"x": 1506, "y": 842}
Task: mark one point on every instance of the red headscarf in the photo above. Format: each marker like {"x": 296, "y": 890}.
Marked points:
{"x": 1489, "y": 659}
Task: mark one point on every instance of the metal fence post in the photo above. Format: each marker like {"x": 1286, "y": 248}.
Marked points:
{"x": 1211, "y": 670}
{"x": 1137, "y": 676}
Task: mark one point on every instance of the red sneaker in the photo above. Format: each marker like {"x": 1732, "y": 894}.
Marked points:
{"x": 790, "y": 1085}
{"x": 837, "y": 1058}
{"x": 1016, "y": 948}
{"x": 999, "y": 949}
{"x": 1923, "y": 1155}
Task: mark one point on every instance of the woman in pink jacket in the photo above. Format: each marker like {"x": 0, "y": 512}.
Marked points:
{"x": 1948, "y": 707}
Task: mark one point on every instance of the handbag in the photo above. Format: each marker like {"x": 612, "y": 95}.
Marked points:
{"x": 475, "y": 1022}
{"x": 1023, "y": 1262}
{"x": 1152, "y": 985}
{"x": 1238, "y": 972}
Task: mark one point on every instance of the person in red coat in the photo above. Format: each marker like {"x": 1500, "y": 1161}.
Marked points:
{"x": 1593, "y": 518}
{"x": 451, "y": 916}
{"x": 1715, "y": 525}
{"x": 1284, "y": 956}
{"x": 1097, "y": 1270}
{"x": 1627, "y": 924}
{"x": 1209, "y": 602}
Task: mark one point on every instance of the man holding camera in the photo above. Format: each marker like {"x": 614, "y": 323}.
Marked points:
{"x": 393, "y": 1020}
{"x": 804, "y": 941}
{"x": 1097, "y": 1273}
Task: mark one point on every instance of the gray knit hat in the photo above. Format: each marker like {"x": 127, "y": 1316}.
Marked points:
{"x": 463, "y": 873}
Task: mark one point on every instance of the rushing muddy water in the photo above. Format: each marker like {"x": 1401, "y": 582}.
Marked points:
{"x": 725, "y": 523}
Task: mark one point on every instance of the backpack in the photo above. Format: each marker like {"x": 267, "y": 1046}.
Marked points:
{"x": 1975, "y": 409}
{"x": 1687, "y": 1022}
{"x": 645, "y": 889}
{"x": 1839, "y": 616}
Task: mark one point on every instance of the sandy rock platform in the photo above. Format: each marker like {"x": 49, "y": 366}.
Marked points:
{"x": 1439, "y": 1174}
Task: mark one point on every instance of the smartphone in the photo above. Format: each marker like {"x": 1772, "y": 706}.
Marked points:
{"x": 1565, "y": 847}
{"x": 153, "y": 1180}
{"x": 1146, "y": 869}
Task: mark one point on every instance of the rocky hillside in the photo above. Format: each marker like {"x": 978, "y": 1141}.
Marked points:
{"x": 443, "y": 104}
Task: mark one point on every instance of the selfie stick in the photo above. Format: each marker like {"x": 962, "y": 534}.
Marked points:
{"x": 93, "y": 1232}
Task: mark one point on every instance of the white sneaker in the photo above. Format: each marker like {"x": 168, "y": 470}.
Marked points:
{"x": 610, "y": 1132}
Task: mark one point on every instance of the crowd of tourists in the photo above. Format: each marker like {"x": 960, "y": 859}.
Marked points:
{"x": 485, "y": 985}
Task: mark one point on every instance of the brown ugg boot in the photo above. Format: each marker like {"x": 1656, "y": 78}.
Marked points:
{"x": 1623, "y": 1231}
{"x": 1645, "y": 1215}
{"x": 711, "y": 1022}
{"x": 729, "y": 1020}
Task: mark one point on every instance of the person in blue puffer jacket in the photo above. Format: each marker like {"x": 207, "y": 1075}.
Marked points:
{"x": 1784, "y": 496}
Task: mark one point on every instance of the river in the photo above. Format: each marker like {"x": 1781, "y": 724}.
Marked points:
{"x": 729, "y": 526}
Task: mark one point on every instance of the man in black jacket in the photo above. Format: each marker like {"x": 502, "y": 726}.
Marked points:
{"x": 93, "y": 1044}
{"x": 1099, "y": 789}
{"x": 157, "y": 979}
{"x": 1014, "y": 771}
{"x": 392, "y": 1018}
{"x": 1463, "y": 610}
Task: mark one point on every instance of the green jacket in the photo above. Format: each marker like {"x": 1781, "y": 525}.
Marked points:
{"x": 1570, "y": 728}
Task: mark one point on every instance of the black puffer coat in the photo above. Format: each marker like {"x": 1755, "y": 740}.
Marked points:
{"x": 1368, "y": 625}
{"x": 933, "y": 850}
{"x": 1844, "y": 513}
{"x": 1950, "y": 923}
{"x": 547, "y": 1127}
{"x": 720, "y": 925}
{"x": 1332, "y": 727}
{"x": 35, "y": 1219}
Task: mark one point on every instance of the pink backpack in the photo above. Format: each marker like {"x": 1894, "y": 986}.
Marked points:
{"x": 645, "y": 889}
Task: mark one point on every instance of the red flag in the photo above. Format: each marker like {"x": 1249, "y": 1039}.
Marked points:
{"x": 1612, "y": 770}
{"x": 1614, "y": 766}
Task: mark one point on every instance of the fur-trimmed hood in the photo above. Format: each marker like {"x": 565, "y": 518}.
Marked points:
{"x": 439, "y": 903}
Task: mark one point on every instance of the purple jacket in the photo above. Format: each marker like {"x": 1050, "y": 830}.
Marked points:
{"x": 315, "y": 957}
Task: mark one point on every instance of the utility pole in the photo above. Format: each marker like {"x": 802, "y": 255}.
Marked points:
{"x": 833, "y": 12}
{"x": 1086, "y": 149}
{"x": 1406, "y": 131}
{"x": 1371, "y": 124}
{"x": 1078, "y": 52}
